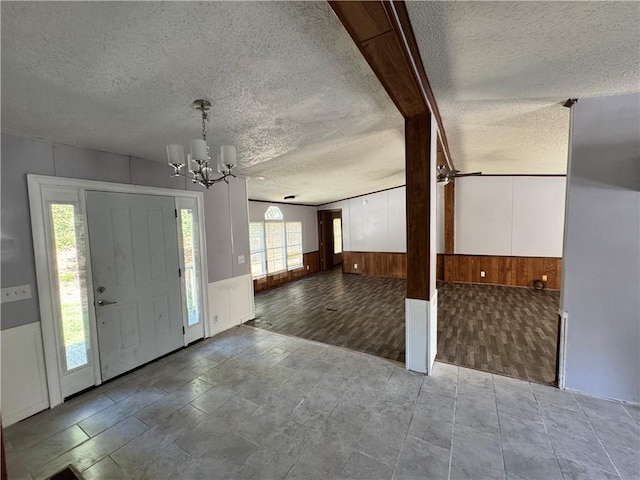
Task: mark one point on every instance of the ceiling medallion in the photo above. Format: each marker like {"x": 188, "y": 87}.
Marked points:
{"x": 199, "y": 161}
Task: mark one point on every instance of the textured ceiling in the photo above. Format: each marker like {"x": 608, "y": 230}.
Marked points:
{"x": 288, "y": 87}
{"x": 500, "y": 71}
{"x": 291, "y": 90}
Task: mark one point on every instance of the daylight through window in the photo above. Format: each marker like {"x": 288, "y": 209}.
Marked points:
{"x": 276, "y": 245}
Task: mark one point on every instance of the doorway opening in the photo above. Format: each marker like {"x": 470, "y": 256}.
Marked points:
{"x": 499, "y": 274}
{"x": 330, "y": 238}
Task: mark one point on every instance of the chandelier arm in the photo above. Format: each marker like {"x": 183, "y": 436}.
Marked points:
{"x": 199, "y": 177}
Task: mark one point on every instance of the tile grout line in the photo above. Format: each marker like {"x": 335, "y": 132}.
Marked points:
{"x": 629, "y": 413}
{"x": 544, "y": 425}
{"x": 453, "y": 423}
{"x": 495, "y": 396}
{"x": 316, "y": 432}
{"x": 404, "y": 440}
{"x": 597, "y": 436}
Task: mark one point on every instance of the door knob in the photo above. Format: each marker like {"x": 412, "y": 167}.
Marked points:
{"x": 102, "y": 303}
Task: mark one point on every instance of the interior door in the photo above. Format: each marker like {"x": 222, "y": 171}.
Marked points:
{"x": 325, "y": 232}
{"x": 135, "y": 266}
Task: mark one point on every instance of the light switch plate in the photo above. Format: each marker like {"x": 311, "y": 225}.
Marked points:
{"x": 240, "y": 259}
{"x": 13, "y": 294}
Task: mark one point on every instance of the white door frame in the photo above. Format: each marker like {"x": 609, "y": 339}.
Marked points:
{"x": 47, "y": 289}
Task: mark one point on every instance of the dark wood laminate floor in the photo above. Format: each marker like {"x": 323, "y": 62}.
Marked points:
{"x": 352, "y": 311}
{"x": 505, "y": 330}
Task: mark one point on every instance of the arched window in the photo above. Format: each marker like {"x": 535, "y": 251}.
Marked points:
{"x": 276, "y": 245}
{"x": 273, "y": 213}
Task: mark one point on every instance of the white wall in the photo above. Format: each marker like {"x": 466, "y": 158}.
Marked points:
{"x": 375, "y": 222}
{"x": 24, "y": 379}
{"x": 292, "y": 213}
{"x": 519, "y": 216}
{"x": 601, "y": 275}
{"x": 230, "y": 302}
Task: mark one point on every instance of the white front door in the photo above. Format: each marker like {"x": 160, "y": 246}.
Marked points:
{"x": 137, "y": 288}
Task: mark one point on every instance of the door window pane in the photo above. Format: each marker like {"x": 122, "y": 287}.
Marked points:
{"x": 190, "y": 268}
{"x": 71, "y": 282}
{"x": 337, "y": 235}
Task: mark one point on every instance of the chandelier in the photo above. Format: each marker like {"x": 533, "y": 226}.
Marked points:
{"x": 198, "y": 161}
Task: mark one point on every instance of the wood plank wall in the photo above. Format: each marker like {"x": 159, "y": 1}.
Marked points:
{"x": 500, "y": 270}
{"x": 377, "y": 264}
{"x": 440, "y": 267}
{"x": 310, "y": 262}
{"x": 449, "y": 217}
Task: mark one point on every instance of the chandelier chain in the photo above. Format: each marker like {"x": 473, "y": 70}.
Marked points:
{"x": 204, "y": 130}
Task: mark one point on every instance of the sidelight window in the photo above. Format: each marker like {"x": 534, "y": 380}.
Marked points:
{"x": 70, "y": 279}
{"x": 190, "y": 255}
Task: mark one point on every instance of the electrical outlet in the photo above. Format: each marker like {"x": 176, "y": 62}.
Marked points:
{"x": 215, "y": 318}
{"x": 307, "y": 267}
{"x": 355, "y": 266}
{"x": 12, "y": 294}
{"x": 544, "y": 278}
{"x": 483, "y": 273}
{"x": 240, "y": 259}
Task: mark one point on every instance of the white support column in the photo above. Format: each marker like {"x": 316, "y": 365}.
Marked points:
{"x": 421, "y": 332}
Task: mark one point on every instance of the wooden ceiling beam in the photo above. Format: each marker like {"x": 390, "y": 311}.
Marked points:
{"x": 381, "y": 29}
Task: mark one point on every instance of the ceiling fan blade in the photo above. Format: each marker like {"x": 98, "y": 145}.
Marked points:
{"x": 472, "y": 174}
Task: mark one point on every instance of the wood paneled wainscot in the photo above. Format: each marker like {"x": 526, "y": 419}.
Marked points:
{"x": 511, "y": 271}
{"x": 377, "y": 264}
{"x": 310, "y": 264}
{"x": 499, "y": 270}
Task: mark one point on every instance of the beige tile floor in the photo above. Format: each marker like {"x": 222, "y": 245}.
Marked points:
{"x": 249, "y": 404}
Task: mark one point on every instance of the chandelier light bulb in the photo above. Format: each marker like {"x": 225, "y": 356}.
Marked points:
{"x": 175, "y": 154}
